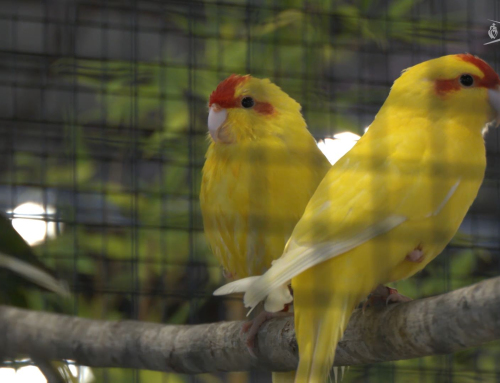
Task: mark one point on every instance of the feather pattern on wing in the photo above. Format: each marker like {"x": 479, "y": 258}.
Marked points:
{"x": 345, "y": 212}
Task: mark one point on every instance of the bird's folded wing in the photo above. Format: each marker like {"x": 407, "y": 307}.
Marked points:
{"x": 300, "y": 258}
{"x": 358, "y": 200}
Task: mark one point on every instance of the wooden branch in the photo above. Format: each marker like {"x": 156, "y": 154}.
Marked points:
{"x": 443, "y": 324}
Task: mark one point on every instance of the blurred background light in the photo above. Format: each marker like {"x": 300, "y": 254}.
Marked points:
{"x": 7, "y": 375}
{"x": 26, "y": 374}
{"x": 30, "y": 221}
{"x": 335, "y": 148}
{"x": 31, "y": 374}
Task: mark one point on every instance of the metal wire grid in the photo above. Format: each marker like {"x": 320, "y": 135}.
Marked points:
{"x": 74, "y": 80}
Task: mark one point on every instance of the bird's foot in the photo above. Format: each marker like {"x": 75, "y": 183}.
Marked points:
{"x": 385, "y": 295}
{"x": 251, "y": 328}
{"x": 396, "y": 297}
{"x": 416, "y": 255}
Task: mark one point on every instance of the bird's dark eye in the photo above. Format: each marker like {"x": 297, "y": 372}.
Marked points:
{"x": 247, "y": 102}
{"x": 466, "y": 80}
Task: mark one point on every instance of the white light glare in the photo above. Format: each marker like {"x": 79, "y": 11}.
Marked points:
{"x": 335, "y": 148}
{"x": 27, "y": 374}
{"x": 29, "y": 222}
{"x": 7, "y": 375}
{"x": 31, "y": 374}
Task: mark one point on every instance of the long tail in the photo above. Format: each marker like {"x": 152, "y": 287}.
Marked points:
{"x": 320, "y": 321}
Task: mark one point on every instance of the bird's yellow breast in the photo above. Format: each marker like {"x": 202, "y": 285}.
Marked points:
{"x": 428, "y": 173}
{"x": 252, "y": 195}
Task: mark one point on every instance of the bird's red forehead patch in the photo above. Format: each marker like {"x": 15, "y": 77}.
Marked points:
{"x": 489, "y": 80}
{"x": 223, "y": 95}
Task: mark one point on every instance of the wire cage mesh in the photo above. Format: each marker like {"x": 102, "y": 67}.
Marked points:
{"x": 103, "y": 137}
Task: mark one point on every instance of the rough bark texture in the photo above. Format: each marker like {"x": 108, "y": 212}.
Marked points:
{"x": 438, "y": 325}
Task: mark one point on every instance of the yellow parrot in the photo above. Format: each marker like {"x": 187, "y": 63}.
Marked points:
{"x": 250, "y": 198}
{"x": 387, "y": 208}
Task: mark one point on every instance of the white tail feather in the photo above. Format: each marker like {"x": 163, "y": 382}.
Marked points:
{"x": 277, "y": 299}
{"x": 239, "y": 286}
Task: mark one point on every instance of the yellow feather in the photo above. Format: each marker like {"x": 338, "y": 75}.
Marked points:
{"x": 407, "y": 184}
{"x": 423, "y": 158}
{"x": 255, "y": 189}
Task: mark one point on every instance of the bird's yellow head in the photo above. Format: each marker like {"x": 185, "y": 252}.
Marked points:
{"x": 454, "y": 87}
{"x": 244, "y": 108}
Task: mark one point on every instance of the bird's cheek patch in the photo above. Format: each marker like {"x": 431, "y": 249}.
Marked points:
{"x": 263, "y": 108}
{"x": 443, "y": 87}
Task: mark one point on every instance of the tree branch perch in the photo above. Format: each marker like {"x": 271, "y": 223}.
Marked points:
{"x": 438, "y": 325}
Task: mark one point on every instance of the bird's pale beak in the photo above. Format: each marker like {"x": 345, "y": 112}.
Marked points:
{"x": 216, "y": 117}
{"x": 494, "y": 95}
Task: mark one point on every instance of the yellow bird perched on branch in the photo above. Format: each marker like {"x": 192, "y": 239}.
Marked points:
{"x": 261, "y": 169}
{"x": 388, "y": 207}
